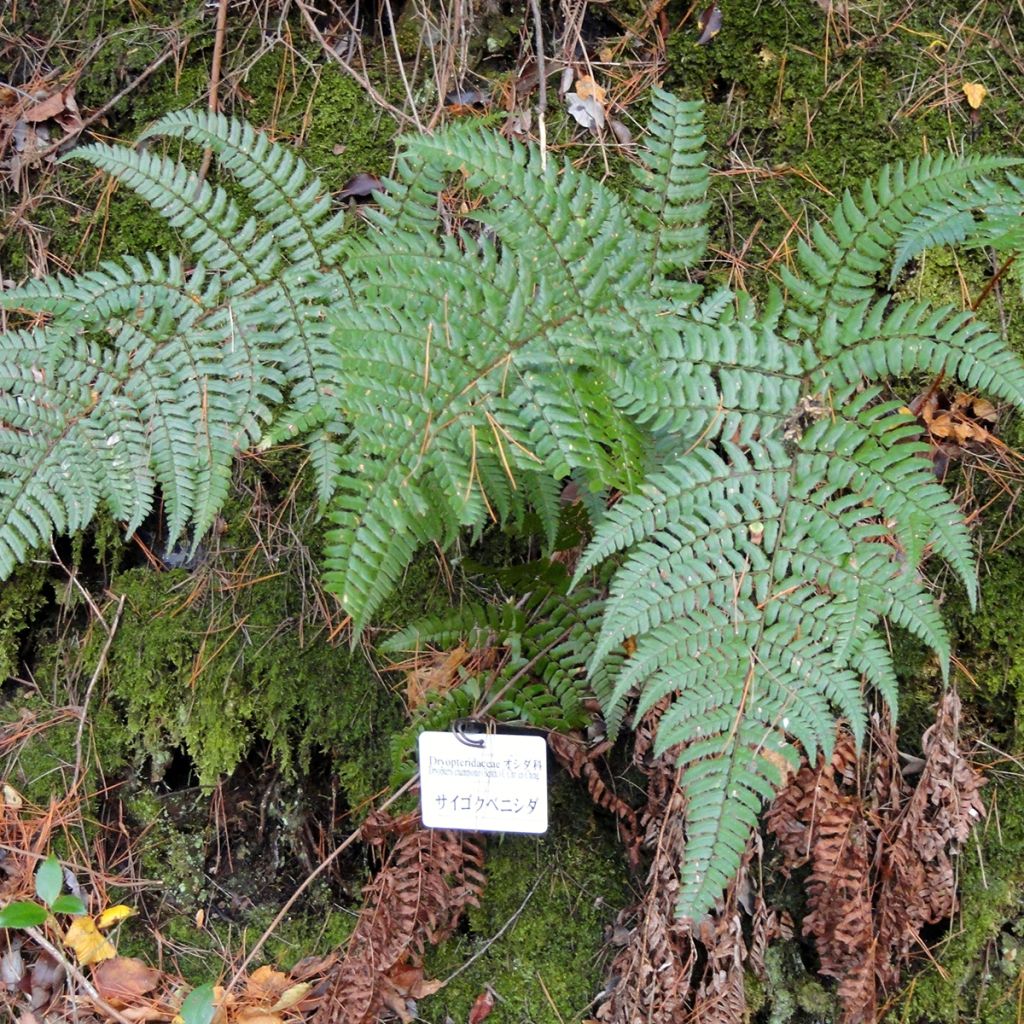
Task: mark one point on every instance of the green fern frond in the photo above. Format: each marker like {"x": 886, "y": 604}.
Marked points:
{"x": 492, "y": 377}
{"x": 540, "y": 645}
{"x": 874, "y": 341}
{"x": 291, "y": 202}
{"x": 842, "y": 261}
{"x": 671, "y": 202}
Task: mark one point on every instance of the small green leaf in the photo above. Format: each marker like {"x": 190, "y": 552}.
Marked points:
{"x": 49, "y": 880}
{"x": 22, "y": 915}
{"x": 198, "y": 1007}
{"x": 67, "y": 904}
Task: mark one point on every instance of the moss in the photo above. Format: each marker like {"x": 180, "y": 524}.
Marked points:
{"x": 789, "y": 994}
{"x": 215, "y": 686}
{"x": 328, "y": 118}
{"x": 22, "y": 597}
{"x": 563, "y": 889}
{"x": 42, "y": 766}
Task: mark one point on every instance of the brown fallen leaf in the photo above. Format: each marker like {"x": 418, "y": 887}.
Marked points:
{"x": 60, "y": 107}
{"x": 361, "y": 186}
{"x": 482, "y": 1006}
{"x": 255, "y": 1015}
{"x": 622, "y": 134}
{"x": 46, "y": 109}
{"x": 709, "y": 24}
{"x": 409, "y": 980}
{"x": 266, "y": 984}
{"x": 124, "y": 979}
{"x": 984, "y": 410}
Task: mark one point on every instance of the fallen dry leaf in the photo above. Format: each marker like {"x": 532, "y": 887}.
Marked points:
{"x": 124, "y": 979}
{"x": 88, "y": 944}
{"x": 45, "y": 109}
{"x": 291, "y": 996}
{"x": 709, "y": 24}
{"x": 482, "y": 1006}
{"x": 975, "y": 93}
{"x": 60, "y": 107}
{"x": 588, "y": 89}
{"x": 586, "y": 112}
{"x": 114, "y": 915}
{"x": 254, "y": 1015}
{"x": 984, "y": 410}
{"x": 266, "y": 986}
{"x": 622, "y": 134}
{"x": 433, "y": 675}
{"x": 361, "y": 186}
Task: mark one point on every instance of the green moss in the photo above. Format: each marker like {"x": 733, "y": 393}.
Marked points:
{"x": 22, "y": 597}
{"x": 216, "y": 685}
{"x": 336, "y": 129}
{"x": 789, "y": 994}
{"x": 42, "y": 767}
{"x": 565, "y": 888}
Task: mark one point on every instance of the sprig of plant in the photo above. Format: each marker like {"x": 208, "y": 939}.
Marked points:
{"x": 49, "y": 881}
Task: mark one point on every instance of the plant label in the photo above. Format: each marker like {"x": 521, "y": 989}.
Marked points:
{"x": 500, "y": 785}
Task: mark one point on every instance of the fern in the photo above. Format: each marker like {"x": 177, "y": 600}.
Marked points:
{"x": 538, "y": 647}
{"x": 757, "y": 505}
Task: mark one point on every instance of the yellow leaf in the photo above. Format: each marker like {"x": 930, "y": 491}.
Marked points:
{"x": 254, "y": 1015}
{"x": 265, "y": 985}
{"x": 587, "y": 88}
{"x": 292, "y": 996}
{"x": 12, "y": 798}
{"x": 114, "y": 915}
{"x": 89, "y": 945}
{"x": 975, "y": 93}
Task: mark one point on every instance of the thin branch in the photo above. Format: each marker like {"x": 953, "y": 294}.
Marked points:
{"x": 399, "y": 115}
{"x": 212, "y": 103}
{"x": 497, "y": 935}
{"x": 401, "y": 67}
{"x": 542, "y": 85}
{"x": 111, "y": 631}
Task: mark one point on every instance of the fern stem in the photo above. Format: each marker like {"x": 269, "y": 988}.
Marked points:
{"x": 213, "y": 105}
{"x": 542, "y": 84}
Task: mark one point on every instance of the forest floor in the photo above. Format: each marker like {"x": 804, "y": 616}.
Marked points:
{"x": 190, "y": 733}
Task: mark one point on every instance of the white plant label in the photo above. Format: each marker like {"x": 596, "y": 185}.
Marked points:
{"x": 501, "y": 786}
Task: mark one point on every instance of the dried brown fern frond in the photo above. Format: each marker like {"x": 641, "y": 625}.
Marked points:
{"x": 669, "y": 970}
{"x": 427, "y": 880}
{"x": 880, "y": 853}
{"x": 580, "y": 761}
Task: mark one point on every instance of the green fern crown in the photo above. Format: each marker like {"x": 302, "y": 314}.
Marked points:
{"x": 504, "y": 322}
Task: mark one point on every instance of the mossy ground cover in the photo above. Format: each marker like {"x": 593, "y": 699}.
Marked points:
{"x": 801, "y": 104}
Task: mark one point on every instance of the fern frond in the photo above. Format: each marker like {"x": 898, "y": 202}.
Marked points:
{"x": 294, "y": 204}
{"x": 273, "y": 281}
{"x": 874, "y": 341}
{"x": 842, "y": 261}
{"x": 672, "y": 196}
{"x": 539, "y": 646}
